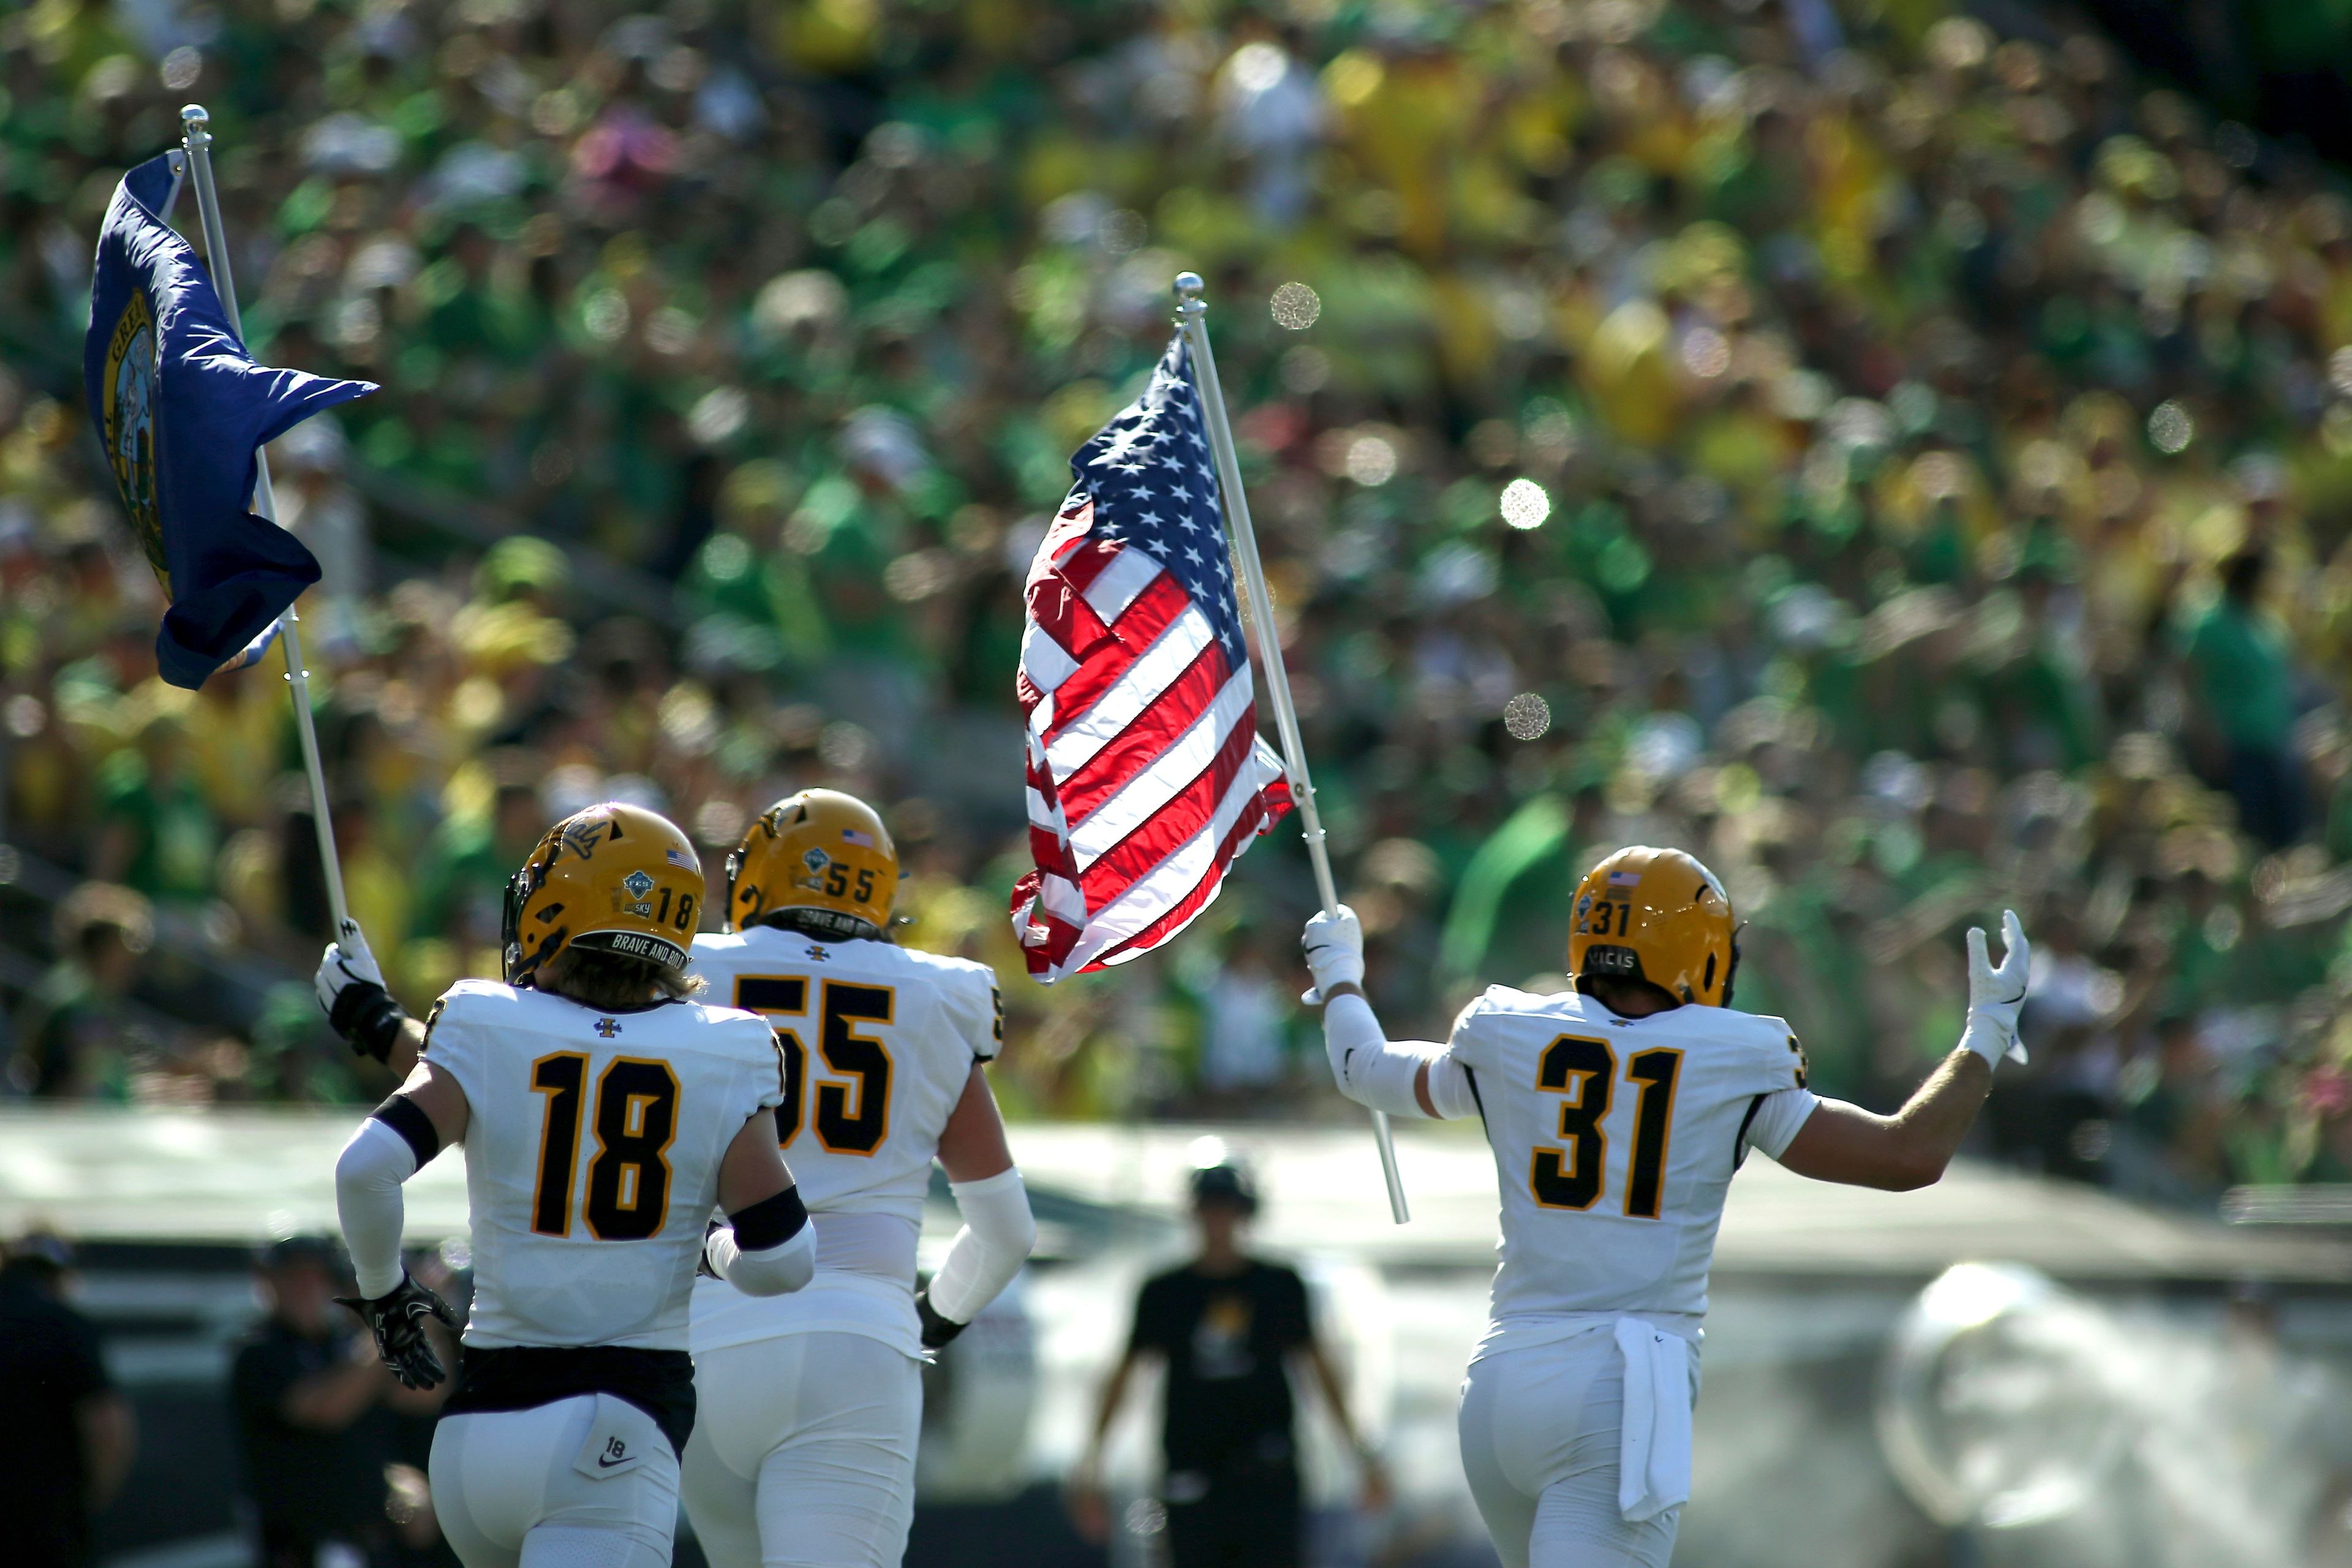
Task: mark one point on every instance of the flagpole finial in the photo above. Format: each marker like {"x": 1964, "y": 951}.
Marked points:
{"x": 1190, "y": 307}
{"x": 194, "y": 119}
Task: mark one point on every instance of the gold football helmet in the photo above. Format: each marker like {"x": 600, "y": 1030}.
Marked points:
{"x": 821, "y": 855}
{"x": 1656, "y": 915}
{"x": 612, "y": 878}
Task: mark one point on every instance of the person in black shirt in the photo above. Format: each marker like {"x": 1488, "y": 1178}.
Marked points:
{"x": 66, "y": 1435}
{"x": 1229, "y": 1327}
{"x": 312, "y": 1400}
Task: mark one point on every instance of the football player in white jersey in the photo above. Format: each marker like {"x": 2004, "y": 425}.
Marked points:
{"x": 812, "y": 1404}
{"x": 1618, "y": 1111}
{"x": 606, "y": 1113}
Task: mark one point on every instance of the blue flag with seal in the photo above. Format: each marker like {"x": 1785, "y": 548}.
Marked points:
{"x": 182, "y": 410}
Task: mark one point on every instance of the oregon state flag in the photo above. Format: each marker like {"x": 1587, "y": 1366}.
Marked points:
{"x": 182, "y": 409}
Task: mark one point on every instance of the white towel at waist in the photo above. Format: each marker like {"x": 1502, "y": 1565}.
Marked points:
{"x": 1654, "y": 1452}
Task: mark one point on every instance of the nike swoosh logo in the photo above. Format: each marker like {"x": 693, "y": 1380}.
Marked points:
{"x": 604, "y": 1464}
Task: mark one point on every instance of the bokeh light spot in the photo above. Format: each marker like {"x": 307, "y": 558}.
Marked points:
{"x": 1526, "y": 716}
{"x": 1371, "y": 461}
{"x": 1525, "y": 504}
{"x": 1295, "y": 307}
{"x": 1706, "y": 353}
{"x": 2171, "y": 429}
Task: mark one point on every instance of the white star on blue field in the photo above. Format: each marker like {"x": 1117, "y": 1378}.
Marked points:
{"x": 1155, "y": 488}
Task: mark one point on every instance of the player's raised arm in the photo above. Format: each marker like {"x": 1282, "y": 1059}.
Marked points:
{"x": 1403, "y": 1077}
{"x": 1842, "y": 1142}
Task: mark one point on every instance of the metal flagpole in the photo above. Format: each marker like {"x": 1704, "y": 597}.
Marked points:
{"x": 1191, "y": 317}
{"x": 195, "y": 122}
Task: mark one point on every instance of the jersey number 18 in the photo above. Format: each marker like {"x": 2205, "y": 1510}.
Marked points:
{"x": 628, "y": 1180}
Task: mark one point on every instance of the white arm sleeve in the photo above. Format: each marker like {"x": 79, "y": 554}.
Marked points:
{"x": 776, "y": 1271}
{"x": 1779, "y": 1119}
{"x": 1373, "y": 1071}
{"x": 367, "y": 1197}
{"x": 998, "y": 1231}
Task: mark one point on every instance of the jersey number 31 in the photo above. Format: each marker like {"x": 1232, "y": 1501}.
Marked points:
{"x": 1585, "y": 1072}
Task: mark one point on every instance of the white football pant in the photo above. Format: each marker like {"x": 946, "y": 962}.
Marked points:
{"x": 1539, "y": 1442}
{"x": 584, "y": 1482}
{"x": 803, "y": 1452}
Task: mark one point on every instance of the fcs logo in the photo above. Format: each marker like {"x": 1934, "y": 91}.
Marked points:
{"x": 608, "y": 1027}
{"x": 638, "y": 886}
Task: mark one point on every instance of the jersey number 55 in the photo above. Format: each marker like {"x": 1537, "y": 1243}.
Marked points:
{"x": 852, "y": 1114}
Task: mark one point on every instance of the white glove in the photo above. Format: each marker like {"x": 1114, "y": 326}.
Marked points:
{"x": 1335, "y": 953}
{"x": 350, "y": 987}
{"x": 346, "y": 964}
{"x": 1997, "y": 995}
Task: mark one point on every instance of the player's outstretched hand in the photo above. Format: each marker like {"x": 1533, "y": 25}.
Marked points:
{"x": 1334, "y": 945}
{"x": 397, "y": 1320}
{"x": 350, "y": 987}
{"x": 1997, "y": 993}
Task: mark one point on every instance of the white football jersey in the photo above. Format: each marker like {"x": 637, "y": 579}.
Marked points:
{"x": 593, "y": 1147}
{"x": 878, "y": 1042}
{"x": 1615, "y": 1140}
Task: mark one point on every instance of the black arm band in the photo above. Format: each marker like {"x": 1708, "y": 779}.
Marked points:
{"x": 368, "y": 1017}
{"x": 401, "y": 1114}
{"x": 770, "y": 1222}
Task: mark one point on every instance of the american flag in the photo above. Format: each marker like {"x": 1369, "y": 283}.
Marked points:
{"x": 1147, "y": 775}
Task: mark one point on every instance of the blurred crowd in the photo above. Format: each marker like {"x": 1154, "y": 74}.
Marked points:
{"x": 1908, "y": 466}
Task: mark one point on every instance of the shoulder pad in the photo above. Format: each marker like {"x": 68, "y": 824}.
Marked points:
{"x": 1506, "y": 999}
{"x": 469, "y": 994}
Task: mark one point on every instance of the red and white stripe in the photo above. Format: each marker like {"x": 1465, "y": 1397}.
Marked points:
{"x": 1145, "y": 773}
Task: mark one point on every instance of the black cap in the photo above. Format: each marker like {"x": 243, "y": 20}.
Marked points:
{"x": 1224, "y": 1184}
{"x": 40, "y": 1255}
{"x": 45, "y": 1245}
{"x": 289, "y": 1251}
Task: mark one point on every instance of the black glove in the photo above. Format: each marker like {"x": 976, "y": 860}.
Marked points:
{"x": 350, "y": 987}
{"x": 368, "y": 1019}
{"x": 397, "y": 1320}
{"x": 936, "y": 1329}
